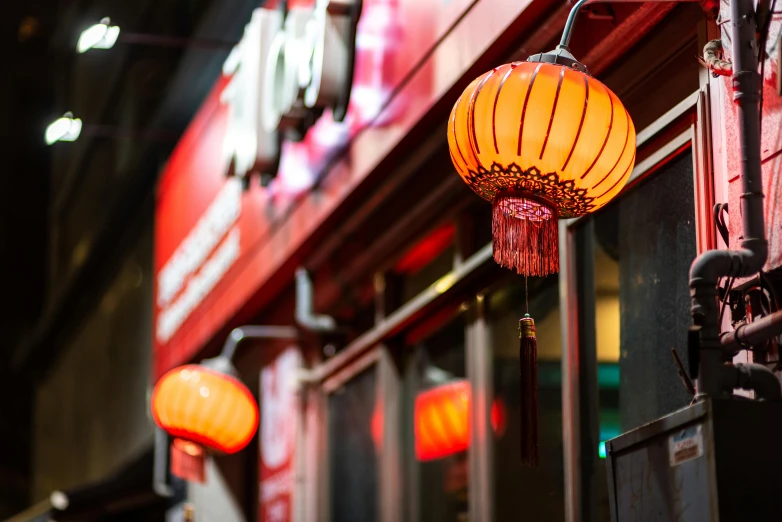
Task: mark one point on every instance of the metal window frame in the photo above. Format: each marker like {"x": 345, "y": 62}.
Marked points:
{"x": 479, "y": 373}
{"x": 369, "y": 351}
{"x": 697, "y": 137}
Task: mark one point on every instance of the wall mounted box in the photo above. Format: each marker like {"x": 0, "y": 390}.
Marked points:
{"x": 714, "y": 461}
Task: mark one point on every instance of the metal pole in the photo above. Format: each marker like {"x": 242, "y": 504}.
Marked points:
{"x": 714, "y": 376}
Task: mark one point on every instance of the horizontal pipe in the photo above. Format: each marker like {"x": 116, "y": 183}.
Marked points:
{"x": 753, "y": 333}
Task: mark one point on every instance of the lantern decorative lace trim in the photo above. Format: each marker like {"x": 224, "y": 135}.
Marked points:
{"x": 570, "y": 201}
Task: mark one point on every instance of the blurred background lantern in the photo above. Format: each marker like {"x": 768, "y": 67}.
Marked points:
{"x": 205, "y": 408}
{"x": 541, "y": 141}
{"x": 442, "y": 421}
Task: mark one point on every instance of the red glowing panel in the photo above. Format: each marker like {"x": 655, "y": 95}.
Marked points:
{"x": 426, "y": 250}
{"x": 377, "y": 425}
{"x": 188, "y": 461}
{"x": 499, "y": 416}
{"x": 442, "y": 421}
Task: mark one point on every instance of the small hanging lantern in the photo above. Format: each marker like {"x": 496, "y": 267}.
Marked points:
{"x": 442, "y": 421}
{"x": 542, "y": 140}
{"x": 203, "y": 407}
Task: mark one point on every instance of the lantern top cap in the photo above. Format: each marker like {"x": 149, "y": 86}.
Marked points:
{"x": 221, "y": 364}
{"x": 560, "y": 56}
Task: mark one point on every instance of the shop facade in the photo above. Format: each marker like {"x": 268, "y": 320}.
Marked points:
{"x": 402, "y": 403}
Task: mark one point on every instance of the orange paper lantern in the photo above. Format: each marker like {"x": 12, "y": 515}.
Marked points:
{"x": 442, "y": 421}
{"x": 541, "y": 141}
{"x": 205, "y": 407}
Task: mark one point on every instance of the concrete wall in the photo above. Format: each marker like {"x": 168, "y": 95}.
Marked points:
{"x": 90, "y": 415}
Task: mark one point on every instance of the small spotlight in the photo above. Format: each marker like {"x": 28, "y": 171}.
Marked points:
{"x": 99, "y": 36}
{"x": 66, "y": 128}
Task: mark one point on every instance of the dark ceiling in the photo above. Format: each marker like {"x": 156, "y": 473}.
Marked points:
{"x": 69, "y": 213}
{"x": 135, "y": 101}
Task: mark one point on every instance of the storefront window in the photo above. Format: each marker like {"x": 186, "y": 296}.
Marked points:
{"x": 353, "y": 453}
{"x": 537, "y": 493}
{"x": 643, "y": 244}
{"x": 436, "y": 427}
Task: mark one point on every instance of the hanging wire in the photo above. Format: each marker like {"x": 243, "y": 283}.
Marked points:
{"x": 526, "y": 294}
{"x": 725, "y": 299}
{"x": 719, "y": 220}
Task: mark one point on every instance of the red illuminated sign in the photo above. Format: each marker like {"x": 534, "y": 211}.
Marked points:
{"x": 217, "y": 246}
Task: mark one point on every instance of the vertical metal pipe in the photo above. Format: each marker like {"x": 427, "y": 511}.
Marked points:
{"x": 305, "y": 313}
{"x": 714, "y": 377}
{"x": 746, "y": 94}
{"x": 479, "y": 372}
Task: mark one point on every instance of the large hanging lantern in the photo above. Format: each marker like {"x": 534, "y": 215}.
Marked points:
{"x": 542, "y": 140}
{"x": 203, "y": 408}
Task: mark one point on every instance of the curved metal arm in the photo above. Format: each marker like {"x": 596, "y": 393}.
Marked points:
{"x": 256, "y": 332}
{"x": 571, "y": 21}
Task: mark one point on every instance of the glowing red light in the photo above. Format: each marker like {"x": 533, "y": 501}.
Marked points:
{"x": 499, "y": 416}
{"x": 377, "y": 426}
{"x": 442, "y": 420}
{"x": 426, "y": 250}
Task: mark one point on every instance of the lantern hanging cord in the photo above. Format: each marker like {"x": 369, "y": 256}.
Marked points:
{"x": 526, "y": 294}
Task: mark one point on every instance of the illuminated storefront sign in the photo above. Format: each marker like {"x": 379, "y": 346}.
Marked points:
{"x": 231, "y": 253}
{"x": 199, "y": 263}
{"x": 285, "y": 72}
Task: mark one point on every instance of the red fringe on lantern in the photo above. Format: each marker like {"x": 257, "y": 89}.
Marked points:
{"x": 524, "y": 233}
{"x": 188, "y": 461}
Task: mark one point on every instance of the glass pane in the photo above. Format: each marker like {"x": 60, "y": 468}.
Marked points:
{"x": 645, "y": 243}
{"x": 353, "y": 464}
{"x": 436, "y": 427}
{"x": 538, "y": 493}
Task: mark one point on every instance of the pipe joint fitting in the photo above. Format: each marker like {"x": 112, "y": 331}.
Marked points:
{"x": 759, "y": 379}
{"x": 754, "y": 253}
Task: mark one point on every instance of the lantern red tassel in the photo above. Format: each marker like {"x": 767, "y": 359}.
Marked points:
{"x": 528, "y": 355}
{"x": 524, "y": 232}
{"x": 188, "y": 461}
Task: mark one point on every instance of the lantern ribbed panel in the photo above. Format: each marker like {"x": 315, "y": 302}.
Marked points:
{"x": 206, "y": 407}
{"x": 442, "y": 421}
{"x": 545, "y": 130}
